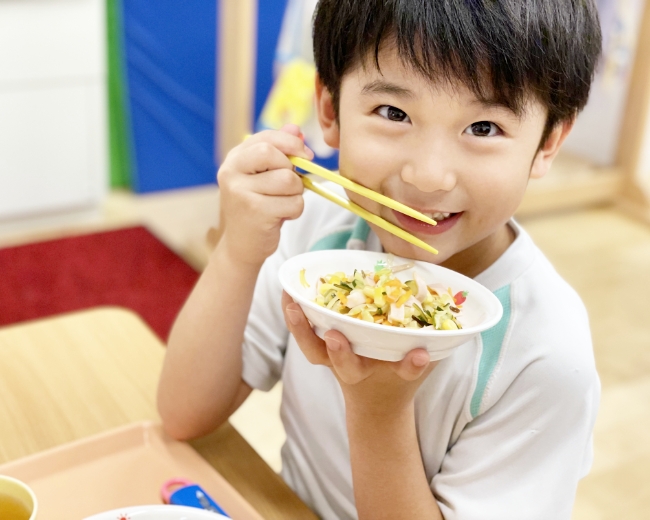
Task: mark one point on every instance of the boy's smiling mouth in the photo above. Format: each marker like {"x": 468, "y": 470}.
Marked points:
{"x": 445, "y": 222}
{"x": 438, "y": 215}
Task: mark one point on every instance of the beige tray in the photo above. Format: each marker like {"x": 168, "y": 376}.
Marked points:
{"x": 120, "y": 468}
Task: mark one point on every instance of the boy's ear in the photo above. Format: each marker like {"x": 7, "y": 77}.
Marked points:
{"x": 549, "y": 150}
{"x": 327, "y": 115}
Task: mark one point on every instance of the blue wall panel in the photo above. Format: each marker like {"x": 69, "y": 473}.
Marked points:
{"x": 269, "y": 23}
{"x": 171, "y": 78}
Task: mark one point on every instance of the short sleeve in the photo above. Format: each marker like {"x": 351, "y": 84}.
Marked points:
{"x": 266, "y": 334}
{"x": 522, "y": 458}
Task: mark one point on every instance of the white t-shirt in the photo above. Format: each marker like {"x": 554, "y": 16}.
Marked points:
{"x": 504, "y": 423}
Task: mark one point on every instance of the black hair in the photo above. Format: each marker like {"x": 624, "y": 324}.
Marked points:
{"x": 503, "y": 50}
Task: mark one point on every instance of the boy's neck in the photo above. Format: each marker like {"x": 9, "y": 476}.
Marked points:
{"x": 474, "y": 260}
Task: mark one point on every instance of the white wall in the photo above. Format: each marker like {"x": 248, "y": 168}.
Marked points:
{"x": 595, "y": 135}
{"x": 53, "y": 135}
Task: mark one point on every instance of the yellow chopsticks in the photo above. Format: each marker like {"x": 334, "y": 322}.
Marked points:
{"x": 310, "y": 167}
{"x": 365, "y": 214}
{"x": 315, "y": 169}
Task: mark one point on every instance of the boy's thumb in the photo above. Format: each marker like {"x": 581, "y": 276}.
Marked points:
{"x": 293, "y": 130}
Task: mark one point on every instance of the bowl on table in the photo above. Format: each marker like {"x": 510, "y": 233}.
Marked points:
{"x": 157, "y": 512}
{"x": 481, "y": 311}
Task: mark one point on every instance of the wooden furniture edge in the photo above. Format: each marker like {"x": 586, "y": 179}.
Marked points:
{"x": 635, "y": 122}
{"x": 634, "y": 209}
{"x": 236, "y": 72}
{"x": 112, "y": 309}
{"x": 601, "y": 188}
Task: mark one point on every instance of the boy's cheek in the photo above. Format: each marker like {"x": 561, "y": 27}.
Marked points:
{"x": 368, "y": 165}
{"x": 358, "y": 162}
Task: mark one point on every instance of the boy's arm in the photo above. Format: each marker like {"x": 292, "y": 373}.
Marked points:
{"x": 387, "y": 469}
{"x": 201, "y": 381}
{"x": 201, "y": 385}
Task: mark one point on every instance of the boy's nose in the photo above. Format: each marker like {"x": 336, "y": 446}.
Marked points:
{"x": 429, "y": 175}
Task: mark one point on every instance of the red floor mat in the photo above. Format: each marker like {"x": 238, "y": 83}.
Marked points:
{"x": 127, "y": 267}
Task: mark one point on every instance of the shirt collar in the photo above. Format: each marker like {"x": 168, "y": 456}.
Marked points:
{"x": 509, "y": 266}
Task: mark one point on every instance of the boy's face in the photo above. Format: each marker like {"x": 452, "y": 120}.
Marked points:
{"x": 439, "y": 150}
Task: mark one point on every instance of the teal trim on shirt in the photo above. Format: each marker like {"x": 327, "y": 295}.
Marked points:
{"x": 338, "y": 240}
{"x": 361, "y": 230}
{"x": 492, "y": 345}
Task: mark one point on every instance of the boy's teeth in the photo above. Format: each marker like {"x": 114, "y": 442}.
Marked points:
{"x": 437, "y": 216}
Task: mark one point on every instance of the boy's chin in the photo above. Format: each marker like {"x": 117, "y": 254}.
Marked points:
{"x": 398, "y": 247}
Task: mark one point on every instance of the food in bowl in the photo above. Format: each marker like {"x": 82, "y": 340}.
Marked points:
{"x": 481, "y": 311}
{"x": 378, "y": 296}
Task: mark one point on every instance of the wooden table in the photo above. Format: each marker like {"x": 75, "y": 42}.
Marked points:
{"x": 71, "y": 376}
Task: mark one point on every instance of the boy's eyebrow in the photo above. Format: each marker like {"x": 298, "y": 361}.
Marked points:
{"x": 383, "y": 87}
{"x": 495, "y": 104}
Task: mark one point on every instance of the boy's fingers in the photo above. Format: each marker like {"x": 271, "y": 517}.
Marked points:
{"x": 275, "y": 182}
{"x": 311, "y": 345}
{"x": 288, "y": 143}
{"x": 279, "y": 208}
{"x": 349, "y": 367}
{"x": 292, "y": 129}
{"x": 257, "y": 158}
{"x": 265, "y": 213}
{"x": 414, "y": 365}
{"x": 286, "y": 300}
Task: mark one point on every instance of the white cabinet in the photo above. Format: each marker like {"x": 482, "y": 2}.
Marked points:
{"x": 53, "y": 130}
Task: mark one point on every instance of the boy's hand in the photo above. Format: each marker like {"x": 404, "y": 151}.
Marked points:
{"x": 259, "y": 191}
{"x": 368, "y": 384}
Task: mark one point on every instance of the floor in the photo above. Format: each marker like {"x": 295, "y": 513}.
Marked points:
{"x": 603, "y": 254}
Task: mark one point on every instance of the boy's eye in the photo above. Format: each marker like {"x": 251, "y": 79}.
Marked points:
{"x": 483, "y": 129}
{"x": 393, "y": 114}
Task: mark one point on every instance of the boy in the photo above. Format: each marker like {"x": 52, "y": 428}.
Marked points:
{"x": 448, "y": 106}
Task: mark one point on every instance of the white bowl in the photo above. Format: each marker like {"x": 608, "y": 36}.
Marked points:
{"x": 157, "y": 512}
{"x": 481, "y": 311}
